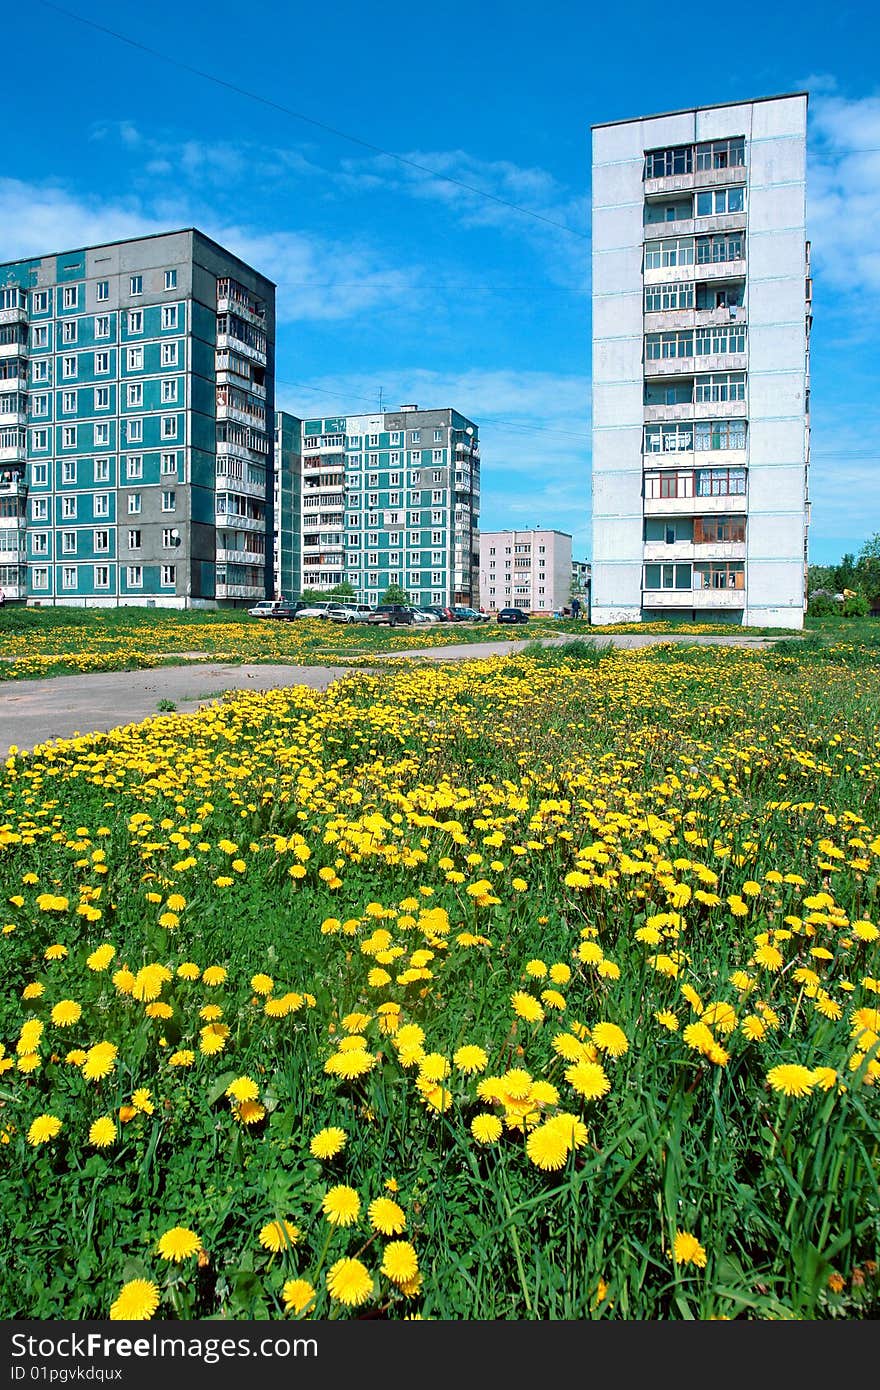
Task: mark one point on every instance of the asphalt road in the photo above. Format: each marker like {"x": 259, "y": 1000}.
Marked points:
{"x": 35, "y": 711}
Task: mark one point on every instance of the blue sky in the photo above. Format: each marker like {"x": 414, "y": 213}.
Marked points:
{"x": 393, "y": 280}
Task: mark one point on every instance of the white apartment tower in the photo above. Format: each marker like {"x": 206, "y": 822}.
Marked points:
{"x": 701, "y": 319}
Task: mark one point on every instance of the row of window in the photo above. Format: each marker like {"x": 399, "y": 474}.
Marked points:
{"x": 680, "y": 294}
{"x": 40, "y": 332}
{"x": 100, "y": 541}
{"x": 684, "y": 436}
{"x": 70, "y": 576}
{"x": 700, "y": 482}
{"x": 701, "y": 390}
{"x": 100, "y": 505}
{"x": 68, "y": 401}
{"x": 711, "y": 575}
{"x": 69, "y": 295}
{"x": 698, "y": 530}
{"x": 370, "y": 441}
{"x": 74, "y": 436}
{"x": 685, "y": 159}
{"x": 708, "y": 341}
{"x": 701, "y": 250}
{"x": 101, "y": 363}
{"x": 134, "y": 468}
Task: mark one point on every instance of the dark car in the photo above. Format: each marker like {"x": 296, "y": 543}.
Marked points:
{"x": 286, "y": 611}
{"x": 512, "y": 615}
{"x": 440, "y": 609}
{"x": 391, "y": 614}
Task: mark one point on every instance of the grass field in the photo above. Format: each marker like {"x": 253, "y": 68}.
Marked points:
{"x": 541, "y": 987}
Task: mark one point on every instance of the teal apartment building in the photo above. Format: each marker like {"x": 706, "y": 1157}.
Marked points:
{"x": 287, "y": 511}
{"x": 136, "y": 425}
{"x": 386, "y": 498}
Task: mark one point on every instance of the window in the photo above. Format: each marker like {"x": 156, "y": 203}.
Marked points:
{"x": 169, "y": 576}
{"x": 68, "y": 402}
{"x": 720, "y": 575}
{"x": 134, "y": 431}
{"x": 70, "y": 296}
{"x": 68, "y": 367}
{"x": 40, "y": 509}
{"x": 716, "y": 201}
{"x": 134, "y": 466}
{"x": 673, "y": 296}
{"x": 721, "y": 386}
{"x": 169, "y": 390}
{"x": 415, "y": 437}
{"x": 101, "y": 542}
{"x": 40, "y": 371}
{"x": 68, "y": 577}
{"x": 169, "y": 426}
{"x": 136, "y": 284}
{"x": 134, "y": 540}
{"x": 670, "y": 251}
{"x": 169, "y": 316}
{"x": 170, "y": 537}
{"x": 438, "y": 475}
{"x": 169, "y": 463}
{"x": 372, "y": 558}
{"x": 720, "y": 482}
{"x": 40, "y": 301}
{"x": 712, "y": 250}
{"x": 171, "y": 280}
{"x": 169, "y": 354}
{"x": 102, "y": 435}
{"x": 135, "y": 320}
{"x": 720, "y": 434}
{"x": 415, "y": 479}
{"x": 39, "y": 474}
{"x": 68, "y": 331}
{"x": 438, "y": 494}
{"x": 40, "y": 543}
{"x": 438, "y": 435}
{"x": 134, "y": 575}
{"x": 102, "y": 397}
{"x": 68, "y": 508}
{"x": 438, "y": 458}
{"x": 134, "y": 394}
{"x": 662, "y": 164}
{"x": 668, "y": 576}
{"x": 102, "y": 292}
{"x": 68, "y": 437}
{"x": 101, "y": 575}
{"x": 169, "y": 501}
{"x": 39, "y": 439}
{"x": 102, "y": 504}
{"x": 40, "y": 336}
{"x": 135, "y": 359}
{"x": 436, "y": 537}
{"x": 722, "y": 154}
{"x": 102, "y": 325}
{"x": 134, "y": 503}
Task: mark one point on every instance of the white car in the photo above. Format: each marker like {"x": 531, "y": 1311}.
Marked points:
{"x": 420, "y": 616}
{"x": 265, "y": 608}
{"x": 349, "y": 612}
{"x": 316, "y": 610}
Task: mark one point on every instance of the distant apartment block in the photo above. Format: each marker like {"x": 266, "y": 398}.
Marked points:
{"x": 385, "y": 498}
{"x": 701, "y": 321}
{"x": 531, "y": 570}
{"x": 136, "y": 413}
{"x": 580, "y": 577}
{"x": 287, "y": 510}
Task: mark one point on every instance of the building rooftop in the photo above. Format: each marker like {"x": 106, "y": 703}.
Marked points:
{"x": 147, "y": 236}
{"x": 687, "y": 110}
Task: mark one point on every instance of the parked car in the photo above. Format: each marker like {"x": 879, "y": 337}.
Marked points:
{"x": 285, "y": 611}
{"x": 349, "y": 612}
{"x": 443, "y": 613}
{"x": 423, "y": 615}
{"x": 512, "y": 615}
{"x": 318, "y": 609}
{"x": 391, "y": 615}
{"x": 469, "y": 615}
{"x": 266, "y": 607}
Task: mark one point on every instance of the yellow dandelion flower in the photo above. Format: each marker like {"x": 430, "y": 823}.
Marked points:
{"x": 65, "y": 1013}
{"x": 611, "y": 1039}
{"x": 486, "y": 1129}
{"x": 399, "y": 1262}
{"x": 791, "y": 1079}
{"x": 136, "y": 1301}
{"x": 386, "y": 1216}
{"x": 43, "y": 1129}
{"x": 178, "y": 1244}
{"x": 667, "y": 1019}
{"x": 349, "y": 1282}
{"x": 297, "y": 1294}
{"x": 99, "y": 1061}
{"x": 278, "y": 1235}
{"x": 527, "y": 1007}
{"x": 184, "y": 1057}
{"x": 102, "y": 1132}
{"x": 687, "y": 1250}
{"x": 341, "y": 1205}
{"x": 327, "y": 1143}
{"x": 588, "y": 1079}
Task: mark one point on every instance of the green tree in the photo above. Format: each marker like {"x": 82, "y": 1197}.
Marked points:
{"x": 845, "y": 573}
{"x": 820, "y": 577}
{"x": 868, "y": 566}
{"x": 343, "y": 590}
{"x": 394, "y": 594}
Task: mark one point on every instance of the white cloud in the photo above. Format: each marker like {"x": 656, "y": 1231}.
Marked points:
{"x": 843, "y": 194}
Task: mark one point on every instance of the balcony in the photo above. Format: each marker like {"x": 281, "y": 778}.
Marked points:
{"x": 229, "y": 343}
{"x": 729, "y": 504}
{"x": 658, "y": 320}
{"x": 13, "y": 484}
{"x": 699, "y": 410}
{"x": 692, "y": 550}
{"x": 719, "y": 222}
{"x": 239, "y": 557}
{"x": 224, "y": 483}
{"x": 17, "y": 315}
{"x": 240, "y": 590}
{"x": 693, "y": 598}
{"x": 226, "y": 411}
{"x": 231, "y": 521}
{"x": 13, "y": 453}
{"x": 665, "y": 367}
{"x": 13, "y": 350}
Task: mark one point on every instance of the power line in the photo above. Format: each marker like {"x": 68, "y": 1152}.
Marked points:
{"x": 309, "y": 120}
